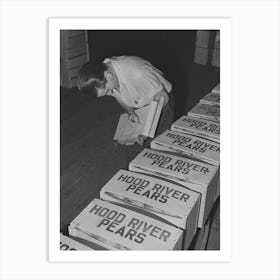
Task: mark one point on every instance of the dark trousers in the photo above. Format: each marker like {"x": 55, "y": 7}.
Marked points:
{"x": 167, "y": 116}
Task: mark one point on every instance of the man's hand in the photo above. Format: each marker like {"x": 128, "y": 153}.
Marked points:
{"x": 163, "y": 93}
{"x": 141, "y": 139}
{"x": 133, "y": 117}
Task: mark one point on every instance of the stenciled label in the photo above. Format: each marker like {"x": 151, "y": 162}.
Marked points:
{"x": 124, "y": 229}
{"x": 152, "y": 194}
{"x": 211, "y": 98}
{"x": 204, "y": 110}
{"x": 189, "y": 144}
{"x": 196, "y": 124}
{"x": 185, "y": 170}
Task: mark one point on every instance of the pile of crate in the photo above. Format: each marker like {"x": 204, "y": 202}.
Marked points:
{"x": 207, "y": 47}
{"x": 167, "y": 193}
{"x": 74, "y": 53}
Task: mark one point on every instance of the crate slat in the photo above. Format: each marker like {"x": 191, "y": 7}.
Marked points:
{"x": 66, "y": 54}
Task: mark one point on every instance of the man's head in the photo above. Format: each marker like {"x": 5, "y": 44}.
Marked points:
{"x": 95, "y": 79}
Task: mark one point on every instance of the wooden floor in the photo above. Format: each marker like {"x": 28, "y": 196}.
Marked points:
{"x": 88, "y": 158}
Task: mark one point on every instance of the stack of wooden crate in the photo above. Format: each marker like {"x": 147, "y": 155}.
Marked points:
{"x": 216, "y": 51}
{"x": 207, "y": 47}
{"x": 74, "y": 52}
{"x": 202, "y": 47}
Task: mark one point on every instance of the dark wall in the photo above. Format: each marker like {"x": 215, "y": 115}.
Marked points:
{"x": 172, "y": 51}
{"x": 165, "y": 49}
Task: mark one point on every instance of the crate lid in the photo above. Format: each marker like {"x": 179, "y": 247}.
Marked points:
{"x": 171, "y": 201}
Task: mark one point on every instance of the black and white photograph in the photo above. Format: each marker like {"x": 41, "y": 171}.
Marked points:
{"x": 140, "y": 139}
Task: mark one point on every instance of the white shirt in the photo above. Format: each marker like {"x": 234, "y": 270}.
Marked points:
{"x": 139, "y": 80}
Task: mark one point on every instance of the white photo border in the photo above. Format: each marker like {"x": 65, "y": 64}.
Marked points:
{"x": 55, "y": 25}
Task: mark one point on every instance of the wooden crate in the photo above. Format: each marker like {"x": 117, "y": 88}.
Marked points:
{"x": 207, "y": 47}
{"x": 202, "y": 38}
{"x": 68, "y": 77}
{"x": 216, "y": 51}
{"x": 196, "y": 126}
{"x": 117, "y": 228}
{"x": 69, "y": 244}
{"x": 211, "y": 98}
{"x": 69, "y": 71}
{"x": 191, "y": 174}
{"x": 74, "y": 53}
{"x": 66, "y": 54}
{"x": 205, "y": 112}
{"x": 190, "y": 145}
{"x": 217, "y": 192}
{"x": 70, "y": 40}
{"x": 216, "y": 57}
{"x": 216, "y": 89}
{"x": 217, "y": 40}
{"x": 75, "y": 62}
{"x": 201, "y": 238}
{"x": 201, "y": 55}
{"x": 170, "y": 202}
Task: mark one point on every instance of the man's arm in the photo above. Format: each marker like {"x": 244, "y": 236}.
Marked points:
{"x": 132, "y": 116}
{"x": 163, "y": 93}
